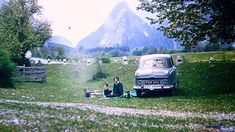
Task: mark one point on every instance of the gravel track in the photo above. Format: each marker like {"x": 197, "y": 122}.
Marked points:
{"x": 130, "y": 111}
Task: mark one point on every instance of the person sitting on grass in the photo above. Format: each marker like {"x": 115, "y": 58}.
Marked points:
{"x": 117, "y": 88}
{"x": 107, "y": 92}
{"x": 95, "y": 94}
{"x": 87, "y": 93}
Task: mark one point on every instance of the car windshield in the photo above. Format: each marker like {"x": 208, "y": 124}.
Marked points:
{"x": 154, "y": 63}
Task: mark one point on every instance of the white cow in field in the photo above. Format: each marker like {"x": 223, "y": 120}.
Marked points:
{"x": 88, "y": 62}
{"x": 212, "y": 59}
{"x": 124, "y": 60}
{"x": 49, "y": 60}
{"x": 65, "y": 61}
{"x": 179, "y": 60}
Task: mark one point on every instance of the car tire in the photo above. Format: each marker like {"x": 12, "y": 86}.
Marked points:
{"x": 173, "y": 90}
{"x": 138, "y": 93}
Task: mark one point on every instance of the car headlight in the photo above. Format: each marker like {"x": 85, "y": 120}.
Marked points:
{"x": 138, "y": 82}
{"x": 170, "y": 71}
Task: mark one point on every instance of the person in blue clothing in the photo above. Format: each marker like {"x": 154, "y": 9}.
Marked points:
{"x": 87, "y": 93}
{"x": 117, "y": 88}
{"x": 107, "y": 92}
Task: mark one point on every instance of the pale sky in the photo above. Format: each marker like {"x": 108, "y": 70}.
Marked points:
{"x": 75, "y": 19}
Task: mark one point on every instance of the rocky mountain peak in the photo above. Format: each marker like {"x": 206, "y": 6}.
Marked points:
{"x": 125, "y": 28}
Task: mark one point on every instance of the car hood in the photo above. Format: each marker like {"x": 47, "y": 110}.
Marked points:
{"x": 153, "y": 73}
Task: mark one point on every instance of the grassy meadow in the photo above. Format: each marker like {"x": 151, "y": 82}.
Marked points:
{"x": 203, "y": 87}
{"x": 35, "y": 118}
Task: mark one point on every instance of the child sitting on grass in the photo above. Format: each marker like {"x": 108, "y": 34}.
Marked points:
{"x": 87, "y": 93}
{"x": 107, "y": 92}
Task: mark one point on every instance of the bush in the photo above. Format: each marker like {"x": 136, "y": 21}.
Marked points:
{"x": 105, "y": 60}
{"x": 99, "y": 76}
{"x": 227, "y": 48}
{"x": 7, "y": 70}
{"x": 21, "y": 61}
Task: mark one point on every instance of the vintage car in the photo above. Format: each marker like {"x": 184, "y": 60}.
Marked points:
{"x": 155, "y": 73}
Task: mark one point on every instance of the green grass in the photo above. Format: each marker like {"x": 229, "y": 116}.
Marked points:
{"x": 203, "y": 88}
{"x": 54, "y": 119}
{"x": 205, "y": 56}
{"x": 202, "y": 85}
{"x": 203, "y": 78}
{"x": 57, "y": 119}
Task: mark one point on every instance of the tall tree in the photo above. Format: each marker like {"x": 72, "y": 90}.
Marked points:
{"x": 192, "y": 21}
{"x": 19, "y": 30}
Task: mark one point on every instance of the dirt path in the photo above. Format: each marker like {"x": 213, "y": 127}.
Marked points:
{"x": 130, "y": 111}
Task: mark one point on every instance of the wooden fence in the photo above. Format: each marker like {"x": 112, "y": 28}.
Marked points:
{"x": 31, "y": 74}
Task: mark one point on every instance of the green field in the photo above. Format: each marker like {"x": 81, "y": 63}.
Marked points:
{"x": 203, "y": 88}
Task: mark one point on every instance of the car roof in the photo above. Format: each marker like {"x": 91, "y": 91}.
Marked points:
{"x": 152, "y": 56}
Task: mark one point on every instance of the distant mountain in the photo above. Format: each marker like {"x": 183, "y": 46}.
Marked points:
{"x": 124, "y": 28}
{"x": 60, "y": 42}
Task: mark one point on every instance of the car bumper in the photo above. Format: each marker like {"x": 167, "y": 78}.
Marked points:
{"x": 153, "y": 87}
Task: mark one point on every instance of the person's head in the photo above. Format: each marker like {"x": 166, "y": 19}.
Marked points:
{"x": 85, "y": 89}
{"x": 116, "y": 79}
{"x": 106, "y": 85}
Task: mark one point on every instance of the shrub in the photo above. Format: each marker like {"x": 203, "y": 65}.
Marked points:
{"x": 227, "y": 48}
{"x": 99, "y": 76}
{"x": 105, "y": 60}
{"x": 21, "y": 61}
{"x": 7, "y": 70}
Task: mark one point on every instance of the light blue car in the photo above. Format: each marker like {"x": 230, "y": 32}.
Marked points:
{"x": 155, "y": 73}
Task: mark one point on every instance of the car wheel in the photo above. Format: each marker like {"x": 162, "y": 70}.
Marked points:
{"x": 138, "y": 93}
{"x": 173, "y": 90}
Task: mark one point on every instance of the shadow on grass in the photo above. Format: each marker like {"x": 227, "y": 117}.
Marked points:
{"x": 155, "y": 94}
{"x": 12, "y": 87}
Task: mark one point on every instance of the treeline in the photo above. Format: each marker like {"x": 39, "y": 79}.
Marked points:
{"x": 152, "y": 50}
{"x": 52, "y": 52}
{"x": 126, "y": 51}
{"x": 116, "y": 51}
{"x": 209, "y": 47}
